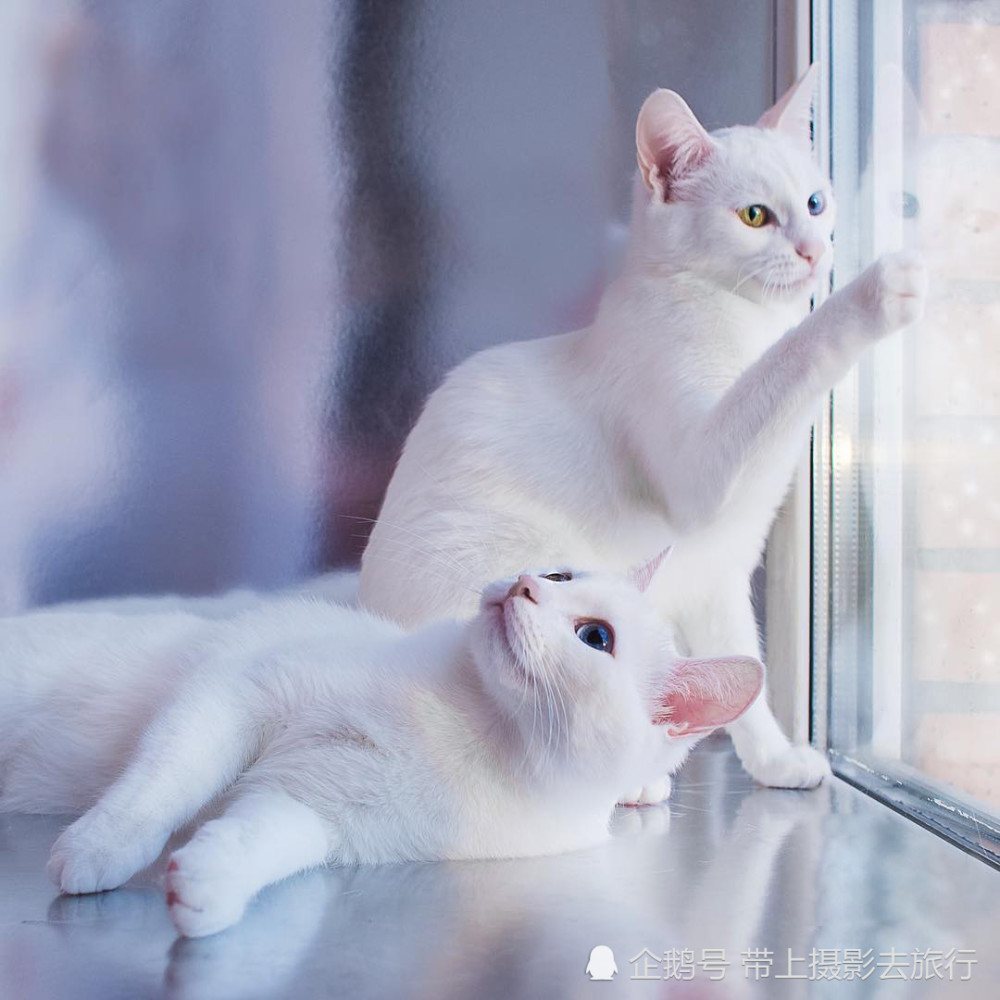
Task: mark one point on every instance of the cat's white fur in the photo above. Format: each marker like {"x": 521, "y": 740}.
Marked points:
{"x": 320, "y": 733}
{"x": 676, "y": 418}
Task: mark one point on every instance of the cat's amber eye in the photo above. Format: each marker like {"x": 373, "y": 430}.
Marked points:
{"x": 597, "y": 635}
{"x": 754, "y": 216}
{"x": 558, "y": 577}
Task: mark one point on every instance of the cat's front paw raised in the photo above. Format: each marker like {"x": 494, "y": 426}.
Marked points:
{"x": 90, "y": 856}
{"x": 647, "y": 795}
{"x": 793, "y": 767}
{"x": 892, "y": 292}
{"x": 204, "y": 894}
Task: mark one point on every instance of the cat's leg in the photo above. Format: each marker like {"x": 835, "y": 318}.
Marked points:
{"x": 772, "y": 403}
{"x": 262, "y": 837}
{"x": 189, "y": 754}
{"x": 201, "y": 970}
{"x": 725, "y": 625}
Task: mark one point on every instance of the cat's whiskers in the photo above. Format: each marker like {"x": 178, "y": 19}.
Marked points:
{"x": 541, "y": 682}
{"x": 721, "y": 312}
{"x": 441, "y": 571}
{"x": 539, "y": 685}
{"x": 553, "y": 717}
{"x": 769, "y": 284}
{"x": 753, "y": 274}
{"x": 553, "y": 678}
{"x": 559, "y": 679}
{"x": 444, "y": 569}
{"x": 427, "y": 572}
{"x": 528, "y": 687}
{"x": 536, "y": 711}
{"x": 489, "y": 514}
{"x": 525, "y": 689}
{"x": 424, "y": 549}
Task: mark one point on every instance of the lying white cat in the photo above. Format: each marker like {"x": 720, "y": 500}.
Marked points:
{"x": 322, "y": 733}
{"x": 676, "y": 418}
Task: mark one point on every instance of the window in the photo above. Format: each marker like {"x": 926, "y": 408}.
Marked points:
{"x": 906, "y": 497}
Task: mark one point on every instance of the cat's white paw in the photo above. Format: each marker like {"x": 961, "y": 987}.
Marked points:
{"x": 93, "y": 855}
{"x": 642, "y": 822}
{"x": 893, "y": 292}
{"x": 648, "y": 795}
{"x": 793, "y": 767}
{"x": 205, "y": 893}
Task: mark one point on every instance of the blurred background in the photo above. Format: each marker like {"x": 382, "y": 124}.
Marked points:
{"x": 240, "y": 242}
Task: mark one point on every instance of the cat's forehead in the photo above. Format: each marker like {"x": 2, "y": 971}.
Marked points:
{"x": 768, "y": 160}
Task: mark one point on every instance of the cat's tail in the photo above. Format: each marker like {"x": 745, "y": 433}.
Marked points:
{"x": 338, "y": 587}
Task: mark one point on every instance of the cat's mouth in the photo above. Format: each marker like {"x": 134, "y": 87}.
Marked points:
{"x": 504, "y": 624}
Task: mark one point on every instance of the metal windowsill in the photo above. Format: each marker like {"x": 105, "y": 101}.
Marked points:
{"x": 906, "y": 791}
{"x": 725, "y": 865}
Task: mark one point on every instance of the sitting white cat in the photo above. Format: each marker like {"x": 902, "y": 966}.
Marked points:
{"x": 320, "y": 733}
{"x": 676, "y": 418}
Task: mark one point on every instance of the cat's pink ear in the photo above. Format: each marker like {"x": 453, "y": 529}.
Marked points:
{"x": 701, "y": 695}
{"x": 793, "y": 113}
{"x": 642, "y": 576}
{"x": 670, "y": 142}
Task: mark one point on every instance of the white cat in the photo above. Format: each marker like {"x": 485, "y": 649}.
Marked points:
{"x": 676, "y": 418}
{"x": 322, "y": 733}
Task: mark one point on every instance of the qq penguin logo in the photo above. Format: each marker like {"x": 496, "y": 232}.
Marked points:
{"x": 602, "y": 963}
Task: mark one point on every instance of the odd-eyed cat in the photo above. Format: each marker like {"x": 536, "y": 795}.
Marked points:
{"x": 676, "y": 418}
{"x": 322, "y": 733}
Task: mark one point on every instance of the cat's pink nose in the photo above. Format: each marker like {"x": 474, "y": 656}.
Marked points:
{"x": 526, "y": 586}
{"x": 810, "y": 250}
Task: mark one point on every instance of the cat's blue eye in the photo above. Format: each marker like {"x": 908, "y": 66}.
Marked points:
{"x": 558, "y": 577}
{"x": 597, "y": 635}
{"x": 816, "y": 203}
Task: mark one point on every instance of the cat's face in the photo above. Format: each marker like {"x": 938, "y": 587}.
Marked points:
{"x": 746, "y": 207}
{"x": 586, "y": 668}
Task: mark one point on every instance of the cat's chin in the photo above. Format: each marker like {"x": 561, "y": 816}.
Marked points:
{"x": 493, "y": 627}
{"x": 790, "y": 292}
{"x": 800, "y": 287}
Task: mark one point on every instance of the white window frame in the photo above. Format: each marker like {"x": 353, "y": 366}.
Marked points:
{"x": 788, "y": 564}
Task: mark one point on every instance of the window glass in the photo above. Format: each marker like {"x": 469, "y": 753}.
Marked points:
{"x": 912, "y": 536}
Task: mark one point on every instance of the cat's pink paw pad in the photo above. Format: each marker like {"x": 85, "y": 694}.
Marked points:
{"x": 203, "y": 897}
